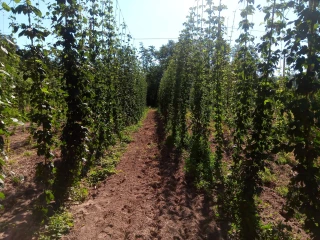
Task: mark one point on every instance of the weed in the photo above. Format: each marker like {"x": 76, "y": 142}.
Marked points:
{"x": 282, "y": 190}
{"x": 27, "y": 154}
{"x": 257, "y": 200}
{"x": 97, "y": 175}
{"x": 267, "y": 177}
{"x": 276, "y": 231}
{"x": 17, "y": 180}
{"x": 286, "y": 158}
{"x": 79, "y": 193}
{"x": 11, "y": 162}
{"x": 215, "y": 210}
{"x": 126, "y": 138}
{"x": 60, "y": 223}
{"x": 300, "y": 217}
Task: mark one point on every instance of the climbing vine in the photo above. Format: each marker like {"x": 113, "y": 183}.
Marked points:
{"x": 303, "y": 129}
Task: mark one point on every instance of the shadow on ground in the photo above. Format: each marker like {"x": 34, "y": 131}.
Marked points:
{"x": 17, "y": 219}
{"x": 179, "y": 197}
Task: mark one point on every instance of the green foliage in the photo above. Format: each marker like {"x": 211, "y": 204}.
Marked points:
{"x": 286, "y": 158}
{"x": 199, "y": 164}
{"x": 97, "y": 175}
{"x": 153, "y": 71}
{"x": 78, "y": 193}
{"x": 9, "y": 114}
{"x": 105, "y": 90}
{"x": 243, "y": 94}
{"x": 45, "y": 173}
{"x": 58, "y": 225}
{"x": 276, "y": 231}
{"x": 282, "y": 190}
{"x": 267, "y": 176}
{"x": 79, "y": 94}
{"x": 303, "y": 128}
{"x": 165, "y": 95}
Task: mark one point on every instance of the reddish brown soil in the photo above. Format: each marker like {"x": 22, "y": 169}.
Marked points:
{"x": 148, "y": 199}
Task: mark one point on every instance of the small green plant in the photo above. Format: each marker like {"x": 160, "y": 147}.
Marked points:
{"x": 98, "y": 174}
{"x": 276, "y": 231}
{"x": 126, "y": 138}
{"x": 11, "y": 162}
{"x": 282, "y": 190}
{"x": 27, "y": 154}
{"x": 267, "y": 177}
{"x": 60, "y": 223}
{"x": 299, "y": 216}
{"x": 286, "y": 158}
{"x": 258, "y": 200}
{"x": 17, "y": 180}
{"x": 79, "y": 193}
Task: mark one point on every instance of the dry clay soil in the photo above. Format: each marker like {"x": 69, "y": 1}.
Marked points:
{"x": 149, "y": 198}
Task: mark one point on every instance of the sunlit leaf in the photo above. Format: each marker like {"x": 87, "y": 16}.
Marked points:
{"x": 6, "y": 7}
{"x": 4, "y": 49}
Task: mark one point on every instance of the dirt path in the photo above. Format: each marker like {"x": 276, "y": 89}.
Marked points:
{"x": 148, "y": 199}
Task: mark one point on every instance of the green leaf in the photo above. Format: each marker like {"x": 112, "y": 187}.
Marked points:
{"x": 267, "y": 101}
{"x": 2, "y": 196}
{"x": 17, "y": 1}
{"x": 37, "y": 12}
{"x": 45, "y": 90}
{"x": 6, "y": 7}
{"x": 266, "y": 227}
{"x": 49, "y": 196}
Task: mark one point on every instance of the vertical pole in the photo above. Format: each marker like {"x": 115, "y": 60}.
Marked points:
{"x": 234, "y": 16}
{"x": 202, "y": 16}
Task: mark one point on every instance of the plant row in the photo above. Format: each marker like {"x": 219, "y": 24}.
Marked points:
{"x": 79, "y": 84}
{"x": 216, "y": 100}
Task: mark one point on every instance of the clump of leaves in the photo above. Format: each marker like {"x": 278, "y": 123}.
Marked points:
{"x": 276, "y": 231}
{"x": 78, "y": 193}
{"x": 267, "y": 176}
{"x": 286, "y": 158}
{"x": 99, "y": 174}
{"x": 58, "y": 225}
{"x": 282, "y": 190}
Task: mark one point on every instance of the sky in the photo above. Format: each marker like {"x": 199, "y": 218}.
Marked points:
{"x": 154, "y": 22}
